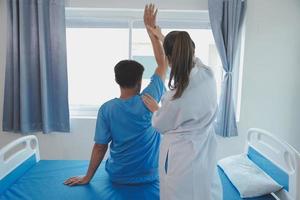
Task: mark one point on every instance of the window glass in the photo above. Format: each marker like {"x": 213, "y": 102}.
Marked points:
{"x": 205, "y": 50}
{"x": 92, "y": 54}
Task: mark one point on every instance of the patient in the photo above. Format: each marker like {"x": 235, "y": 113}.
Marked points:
{"x": 125, "y": 123}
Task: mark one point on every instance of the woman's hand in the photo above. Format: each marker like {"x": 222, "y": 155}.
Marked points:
{"x": 77, "y": 181}
{"x": 150, "y": 103}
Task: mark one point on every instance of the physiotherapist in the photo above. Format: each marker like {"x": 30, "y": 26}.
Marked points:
{"x": 187, "y": 160}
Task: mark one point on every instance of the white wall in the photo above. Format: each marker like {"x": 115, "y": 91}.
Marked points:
{"x": 271, "y": 83}
{"x": 270, "y": 90}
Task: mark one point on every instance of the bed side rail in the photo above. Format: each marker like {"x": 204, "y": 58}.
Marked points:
{"x": 282, "y": 155}
{"x": 29, "y": 147}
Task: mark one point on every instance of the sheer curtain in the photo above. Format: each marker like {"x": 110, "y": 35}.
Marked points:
{"x": 227, "y": 17}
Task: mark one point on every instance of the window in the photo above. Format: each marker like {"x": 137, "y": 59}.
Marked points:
{"x": 205, "y": 50}
{"x": 98, "y": 39}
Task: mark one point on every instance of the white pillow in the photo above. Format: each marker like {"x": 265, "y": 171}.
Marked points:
{"x": 247, "y": 177}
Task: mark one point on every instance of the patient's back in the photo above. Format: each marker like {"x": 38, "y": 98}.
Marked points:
{"x": 134, "y": 148}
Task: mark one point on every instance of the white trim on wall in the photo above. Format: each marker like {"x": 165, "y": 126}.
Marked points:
{"x": 239, "y": 76}
{"x": 165, "y": 4}
{"x": 112, "y": 17}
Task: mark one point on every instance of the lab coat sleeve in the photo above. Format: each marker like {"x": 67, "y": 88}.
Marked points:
{"x": 164, "y": 120}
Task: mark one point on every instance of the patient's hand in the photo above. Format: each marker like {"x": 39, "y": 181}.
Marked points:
{"x": 156, "y": 32}
{"x": 150, "y": 13}
{"x": 77, "y": 180}
{"x": 150, "y": 103}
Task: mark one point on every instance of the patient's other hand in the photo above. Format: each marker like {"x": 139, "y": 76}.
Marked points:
{"x": 77, "y": 180}
{"x": 150, "y": 103}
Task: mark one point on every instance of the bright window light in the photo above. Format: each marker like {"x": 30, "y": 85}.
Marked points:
{"x": 97, "y": 41}
{"x": 205, "y": 50}
{"x": 92, "y": 55}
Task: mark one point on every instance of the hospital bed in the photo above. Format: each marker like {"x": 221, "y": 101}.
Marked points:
{"x": 276, "y": 158}
{"x": 24, "y": 176}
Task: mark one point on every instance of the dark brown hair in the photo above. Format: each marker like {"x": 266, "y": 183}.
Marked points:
{"x": 179, "y": 49}
{"x": 128, "y": 73}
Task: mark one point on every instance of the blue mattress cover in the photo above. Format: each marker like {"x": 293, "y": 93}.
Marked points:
{"x": 45, "y": 181}
{"x": 231, "y": 193}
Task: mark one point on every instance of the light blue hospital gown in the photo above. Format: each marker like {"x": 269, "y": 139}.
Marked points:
{"x": 134, "y": 147}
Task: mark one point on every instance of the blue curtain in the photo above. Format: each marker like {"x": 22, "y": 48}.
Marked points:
{"x": 226, "y": 18}
{"x": 36, "y": 89}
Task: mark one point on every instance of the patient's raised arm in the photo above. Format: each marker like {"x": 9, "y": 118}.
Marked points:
{"x": 156, "y": 38}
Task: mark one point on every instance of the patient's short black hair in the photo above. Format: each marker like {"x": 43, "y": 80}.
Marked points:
{"x": 128, "y": 73}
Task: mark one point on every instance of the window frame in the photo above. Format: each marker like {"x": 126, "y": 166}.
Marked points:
{"x": 132, "y": 18}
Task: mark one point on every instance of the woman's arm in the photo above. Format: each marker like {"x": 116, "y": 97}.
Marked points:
{"x": 155, "y": 36}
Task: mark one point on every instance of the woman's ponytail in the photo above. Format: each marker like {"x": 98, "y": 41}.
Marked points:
{"x": 181, "y": 58}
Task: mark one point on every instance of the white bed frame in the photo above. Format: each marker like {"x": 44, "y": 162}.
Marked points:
{"x": 10, "y": 163}
{"x": 282, "y": 155}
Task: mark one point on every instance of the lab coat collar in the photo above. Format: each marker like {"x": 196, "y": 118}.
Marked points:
{"x": 198, "y": 64}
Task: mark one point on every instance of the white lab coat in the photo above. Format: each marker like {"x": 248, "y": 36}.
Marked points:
{"x": 188, "y": 150}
